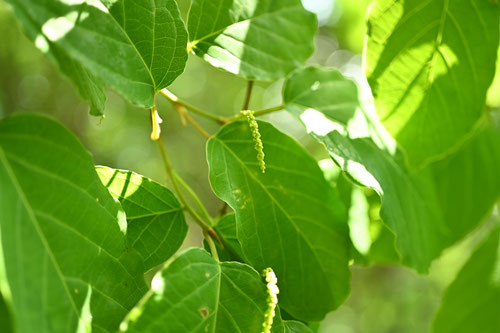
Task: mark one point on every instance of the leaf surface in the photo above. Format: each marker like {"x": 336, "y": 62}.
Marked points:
{"x": 428, "y": 210}
{"x": 429, "y": 64}
{"x": 471, "y": 302}
{"x": 197, "y": 294}
{"x": 5, "y": 317}
{"x": 293, "y": 326}
{"x": 89, "y": 87}
{"x": 137, "y": 47}
{"x": 228, "y": 246}
{"x": 156, "y": 227}
{"x": 289, "y": 218}
{"x": 62, "y": 234}
{"x": 256, "y": 39}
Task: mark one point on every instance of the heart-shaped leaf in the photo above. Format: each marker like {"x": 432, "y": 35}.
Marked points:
{"x": 288, "y": 218}
{"x": 195, "y": 293}
{"x": 256, "y": 39}
{"x": 429, "y": 64}
{"x": 136, "y": 47}
{"x": 62, "y": 234}
{"x": 428, "y": 210}
{"x": 156, "y": 227}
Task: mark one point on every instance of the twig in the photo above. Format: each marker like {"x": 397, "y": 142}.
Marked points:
{"x": 197, "y": 126}
{"x": 248, "y": 95}
{"x": 258, "y": 113}
{"x": 168, "y": 167}
{"x": 176, "y": 100}
{"x": 211, "y": 244}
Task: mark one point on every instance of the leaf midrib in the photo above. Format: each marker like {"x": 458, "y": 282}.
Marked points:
{"x": 217, "y": 32}
{"x": 36, "y": 226}
{"x": 133, "y": 45}
{"x": 273, "y": 199}
{"x": 119, "y": 26}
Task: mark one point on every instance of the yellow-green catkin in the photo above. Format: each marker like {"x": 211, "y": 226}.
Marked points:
{"x": 272, "y": 299}
{"x": 155, "y": 124}
{"x": 259, "y": 147}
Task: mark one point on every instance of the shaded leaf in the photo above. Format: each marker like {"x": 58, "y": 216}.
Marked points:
{"x": 137, "y": 47}
{"x": 471, "y": 302}
{"x": 419, "y": 207}
{"x": 5, "y": 317}
{"x": 156, "y": 226}
{"x": 89, "y": 87}
{"x": 288, "y": 219}
{"x": 228, "y": 246}
{"x": 197, "y": 294}
{"x": 256, "y": 39}
{"x": 292, "y": 326}
{"x": 429, "y": 64}
{"x": 62, "y": 234}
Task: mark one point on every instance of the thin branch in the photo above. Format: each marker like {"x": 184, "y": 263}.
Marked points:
{"x": 248, "y": 95}
{"x": 223, "y": 209}
{"x": 182, "y": 113}
{"x": 195, "y": 198}
{"x": 185, "y": 117}
{"x": 174, "y": 99}
{"x": 197, "y": 126}
{"x": 258, "y": 113}
{"x": 262, "y": 112}
{"x": 211, "y": 244}
{"x": 174, "y": 178}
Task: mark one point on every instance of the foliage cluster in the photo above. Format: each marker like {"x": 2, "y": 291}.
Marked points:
{"x": 77, "y": 240}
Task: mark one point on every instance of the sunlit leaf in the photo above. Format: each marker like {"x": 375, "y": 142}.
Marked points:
{"x": 427, "y": 210}
{"x": 195, "y": 293}
{"x": 429, "y": 64}
{"x": 288, "y": 218}
{"x": 471, "y": 302}
{"x": 89, "y": 87}
{"x": 256, "y": 39}
{"x": 62, "y": 234}
{"x": 310, "y": 89}
{"x": 156, "y": 226}
{"x": 136, "y": 47}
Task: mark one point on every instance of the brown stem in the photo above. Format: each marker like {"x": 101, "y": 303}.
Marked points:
{"x": 248, "y": 95}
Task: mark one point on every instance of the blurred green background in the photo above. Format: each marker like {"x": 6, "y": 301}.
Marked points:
{"x": 383, "y": 298}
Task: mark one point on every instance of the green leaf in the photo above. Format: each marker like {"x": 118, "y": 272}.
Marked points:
{"x": 311, "y": 88}
{"x": 289, "y": 218}
{"x": 410, "y": 206}
{"x": 431, "y": 209}
{"x": 228, "y": 246}
{"x": 325, "y": 101}
{"x": 256, "y": 39}
{"x": 382, "y": 249}
{"x": 156, "y": 227}
{"x": 5, "y": 317}
{"x": 429, "y": 64}
{"x": 136, "y": 47}
{"x": 62, "y": 234}
{"x": 428, "y": 210}
{"x": 493, "y": 95}
{"x": 197, "y": 294}
{"x": 292, "y": 326}
{"x": 471, "y": 302}
{"x": 89, "y": 87}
